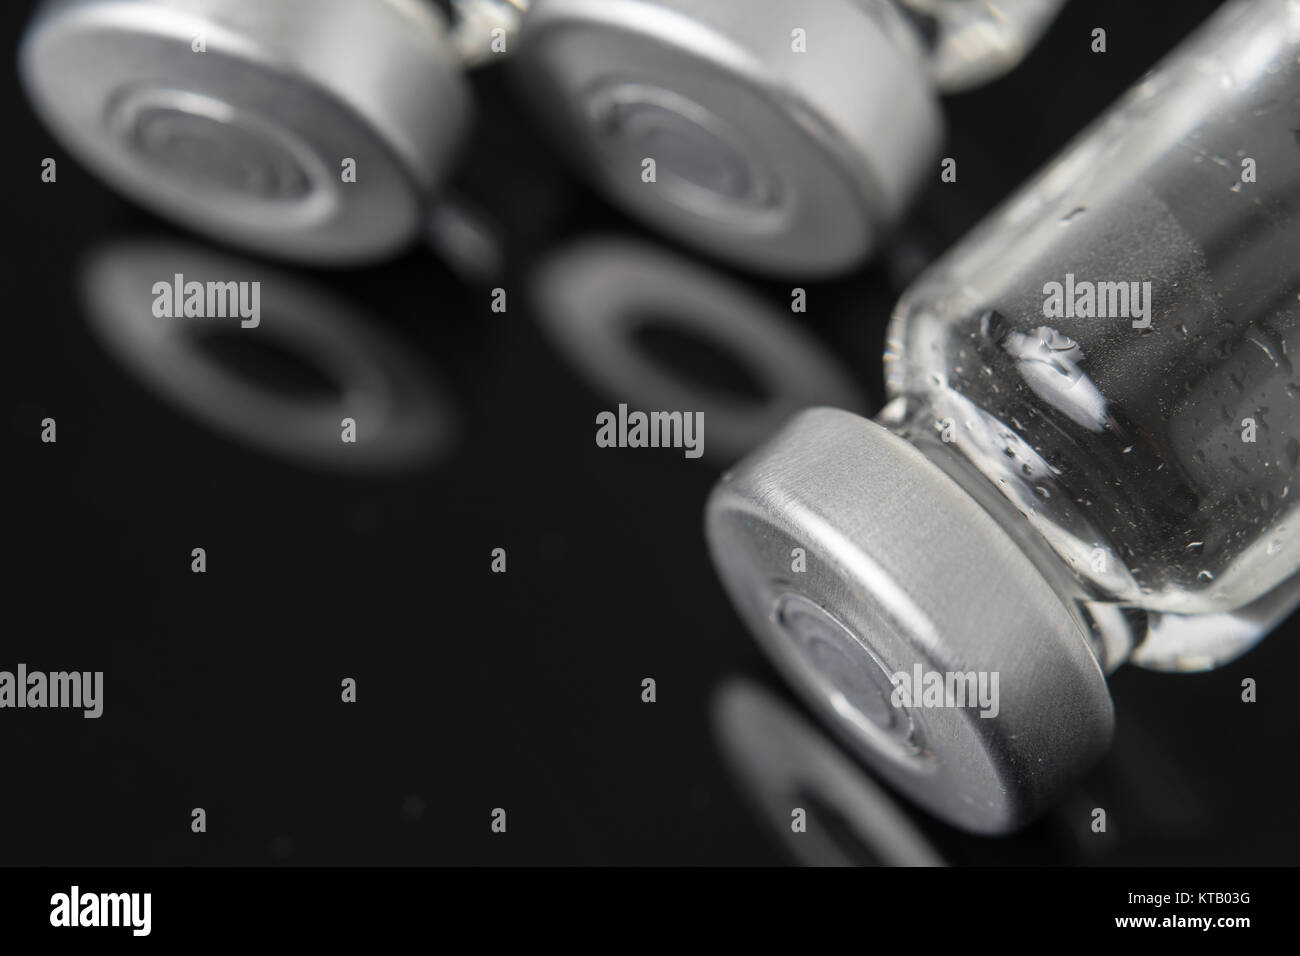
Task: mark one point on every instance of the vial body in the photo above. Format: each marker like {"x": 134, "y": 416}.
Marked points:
{"x": 1087, "y": 457}
{"x": 1110, "y": 354}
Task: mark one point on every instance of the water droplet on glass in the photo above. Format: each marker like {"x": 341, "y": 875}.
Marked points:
{"x": 992, "y": 325}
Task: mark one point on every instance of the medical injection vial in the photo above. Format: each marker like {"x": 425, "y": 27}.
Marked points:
{"x": 309, "y": 130}
{"x": 1090, "y": 455}
{"x": 784, "y": 138}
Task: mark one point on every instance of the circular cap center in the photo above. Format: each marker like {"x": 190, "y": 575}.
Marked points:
{"x": 696, "y": 155}
{"x": 845, "y": 671}
{"x": 209, "y": 142}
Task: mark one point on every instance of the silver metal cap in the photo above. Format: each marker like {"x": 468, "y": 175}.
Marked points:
{"x": 907, "y": 575}
{"x": 777, "y": 150}
{"x": 235, "y": 118}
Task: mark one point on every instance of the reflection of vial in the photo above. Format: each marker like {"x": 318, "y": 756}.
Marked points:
{"x": 284, "y": 389}
{"x": 970, "y": 43}
{"x": 790, "y": 770}
{"x": 783, "y": 137}
{"x": 623, "y": 311}
{"x": 1091, "y": 454}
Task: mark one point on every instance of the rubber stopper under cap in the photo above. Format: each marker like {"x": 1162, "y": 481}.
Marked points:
{"x": 905, "y": 570}
{"x": 235, "y": 118}
{"x": 786, "y": 137}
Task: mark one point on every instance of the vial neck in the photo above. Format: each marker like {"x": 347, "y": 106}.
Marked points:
{"x": 1045, "y": 526}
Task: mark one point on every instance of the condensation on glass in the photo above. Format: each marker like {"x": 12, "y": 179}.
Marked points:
{"x": 1155, "y": 454}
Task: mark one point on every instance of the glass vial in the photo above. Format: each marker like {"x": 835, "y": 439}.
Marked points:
{"x": 1090, "y": 455}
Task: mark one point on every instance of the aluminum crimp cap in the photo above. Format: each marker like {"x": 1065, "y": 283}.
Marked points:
{"x": 908, "y": 581}
{"x": 786, "y": 137}
{"x": 236, "y": 118}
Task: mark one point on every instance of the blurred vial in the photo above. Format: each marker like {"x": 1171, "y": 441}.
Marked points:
{"x": 971, "y": 42}
{"x": 785, "y": 137}
{"x": 310, "y": 130}
{"x": 1091, "y": 452}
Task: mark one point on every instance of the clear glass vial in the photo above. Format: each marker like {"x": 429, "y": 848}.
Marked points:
{"x": 1090, "y": 456}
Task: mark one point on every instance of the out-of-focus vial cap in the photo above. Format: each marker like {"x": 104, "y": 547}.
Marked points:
{"x": 972, "y": 42}
{"x": 785, "y": 137}
{"x": 312, "y": 130}
{"x": 907, "y": 587}
{"x": 486, "y": 30}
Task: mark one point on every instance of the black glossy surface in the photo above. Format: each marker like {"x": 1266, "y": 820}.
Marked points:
{"x": 478, "y": 690}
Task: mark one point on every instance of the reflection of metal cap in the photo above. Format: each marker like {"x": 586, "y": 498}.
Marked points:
{"x": 236, "y": 118}
{"x": 604, "y": 300}
{"x": 283, "y": 386}
{"x": 785, "y": 136}
{"x": 906, "y": 573}
{"x": 784, "y": 762}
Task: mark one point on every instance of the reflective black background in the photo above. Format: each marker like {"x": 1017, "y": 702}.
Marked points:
{"x": 479, "y": 690}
